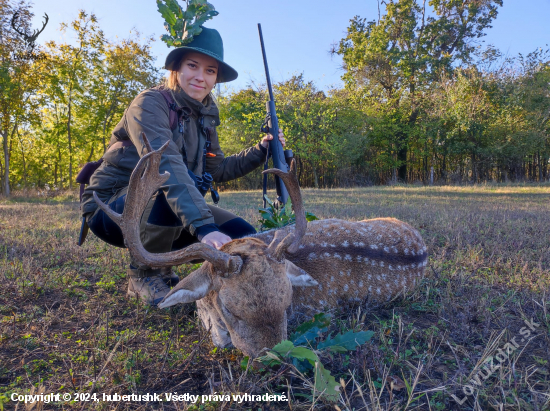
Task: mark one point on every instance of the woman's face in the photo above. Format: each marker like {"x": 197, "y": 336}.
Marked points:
{"x": 197, "y": 75}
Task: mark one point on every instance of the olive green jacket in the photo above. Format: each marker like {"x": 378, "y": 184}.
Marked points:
{"x": 149, "y": 113}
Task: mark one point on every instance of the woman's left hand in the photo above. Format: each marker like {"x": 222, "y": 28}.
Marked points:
{"x": 265, "y": 140}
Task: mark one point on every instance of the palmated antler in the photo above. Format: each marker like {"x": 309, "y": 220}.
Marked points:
{"x": 144, "y": 182}
{"x": 29, "y": 39}
{"x": 291, "y": 242}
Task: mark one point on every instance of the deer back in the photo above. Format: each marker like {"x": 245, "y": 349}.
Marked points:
{"x": 372, "y": 259}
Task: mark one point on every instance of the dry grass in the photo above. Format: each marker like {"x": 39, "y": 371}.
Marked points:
{"x": 66, "y": 325}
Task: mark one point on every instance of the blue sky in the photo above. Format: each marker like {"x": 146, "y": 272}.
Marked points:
{"x": 297, "y": 34}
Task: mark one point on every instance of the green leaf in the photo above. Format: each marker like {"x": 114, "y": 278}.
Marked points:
{"x": 303, "y": 353}
{"x": 270, "y": 359}
{"x": 288, "y": 207}
{"x": 304, "y": 366}
{"x": 349, "y": 340}
{"x": 320, "y": 320}
{"x": 266, "y": 214}
{"x": 308, "y": 337}
{"x": 196, "y": 14}
{"x": 206, "y": 16}
{"x": 166, "y": 13}
{"x": 337, "y": 348}
{"x": 167, "y": 39}
{"x": 175, "y": 8}
{"x": 283, "y": 348}
{"x": 311, "y": 217}
{"x": 325, "y": 384}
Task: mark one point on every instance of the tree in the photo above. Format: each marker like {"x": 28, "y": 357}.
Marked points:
{"x": 17, "y": 81}
{"x": 399, "y": 55}
{"x": 83, "y": 92}
{"x": 70, "y": 74}
{"x": 125, "y": 69}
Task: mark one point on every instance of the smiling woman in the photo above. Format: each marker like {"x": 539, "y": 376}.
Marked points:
{"x": 197, "y": 75}
{"x": 182, "y": 112}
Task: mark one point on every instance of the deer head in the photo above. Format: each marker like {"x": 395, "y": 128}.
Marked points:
{"x": 243, "y": 289}
{"x": 32, "y": 38}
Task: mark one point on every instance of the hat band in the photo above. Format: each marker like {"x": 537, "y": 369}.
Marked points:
{"x": 208, "y": 52}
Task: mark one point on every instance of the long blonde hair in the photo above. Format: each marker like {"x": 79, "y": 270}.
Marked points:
{"x": 171, "y": 80}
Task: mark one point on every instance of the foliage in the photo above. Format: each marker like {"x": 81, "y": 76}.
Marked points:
{"x": 272, "y": 217}
{"x": 324, "y": 131}
{"x": 18, "y": 83}
{"x": 183, "y": 25}
{"x": 399, "y": 55}
{"x": 420, "y": 93}
{"x": 307, "y": 359}
{"x": 80, "y": 93}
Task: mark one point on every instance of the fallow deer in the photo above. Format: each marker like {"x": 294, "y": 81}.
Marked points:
{"x": 244, "y": 289}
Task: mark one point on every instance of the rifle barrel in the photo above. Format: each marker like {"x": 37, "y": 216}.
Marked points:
{"x": 275, "y": 147}
{"x": 265, "y": 63}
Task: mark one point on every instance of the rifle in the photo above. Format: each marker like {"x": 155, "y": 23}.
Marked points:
{"x": 281, "y": 158}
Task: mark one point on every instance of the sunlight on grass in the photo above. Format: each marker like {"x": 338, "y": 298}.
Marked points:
{"x": 64, "y": 310}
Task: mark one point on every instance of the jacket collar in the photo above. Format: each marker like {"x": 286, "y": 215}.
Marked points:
{"x": 205, "y": 108}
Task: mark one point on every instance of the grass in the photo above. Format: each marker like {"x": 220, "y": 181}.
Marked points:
{"x": 66, "y": 325}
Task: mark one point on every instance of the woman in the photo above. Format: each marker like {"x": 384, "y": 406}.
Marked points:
{"x": 177, "y": 215}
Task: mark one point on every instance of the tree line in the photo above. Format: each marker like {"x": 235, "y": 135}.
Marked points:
{"x": 423, "y": 101}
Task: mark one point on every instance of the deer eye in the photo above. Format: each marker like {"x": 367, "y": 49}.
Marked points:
{"x": 228, "y": 313}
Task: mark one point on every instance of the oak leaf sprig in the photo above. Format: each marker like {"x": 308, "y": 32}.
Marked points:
{"x": 182, "y": 25}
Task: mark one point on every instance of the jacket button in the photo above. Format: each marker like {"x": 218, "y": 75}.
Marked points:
{"x": 213, "y": 121}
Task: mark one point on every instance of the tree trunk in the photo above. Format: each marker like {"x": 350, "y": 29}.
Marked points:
{"x": 70, "y": 142}
{"x": 104, "y": 126}
{"x": 474, "y": 168}
{"x": 315, "y": 176}
{"x": 300, "y": 166}
{"x": 444, "y": 169}
{"x": 402, "y": 158}
{"x": 1, "y": 168}
{"x": 5, "y": 147}
{"x": 23, "y": 159}
{"x": 6, "y": 182}
{"x": 60, "y": 168}
{"x": 91, "y": 154}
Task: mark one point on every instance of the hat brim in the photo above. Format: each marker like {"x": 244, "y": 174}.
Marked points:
{"x": 226, "y": 73}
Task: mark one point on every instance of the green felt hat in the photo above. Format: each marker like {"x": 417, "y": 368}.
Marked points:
{"x": 208, "y": 42}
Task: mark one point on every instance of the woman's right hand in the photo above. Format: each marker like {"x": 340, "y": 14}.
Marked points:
{"x": 216, "y": 239}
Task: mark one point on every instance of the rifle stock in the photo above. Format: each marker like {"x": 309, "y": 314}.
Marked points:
{"x": 275, "y": 147}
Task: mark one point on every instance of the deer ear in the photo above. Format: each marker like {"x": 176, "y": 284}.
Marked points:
{"x": 192, "y": 288}
{"x": 298, "y": 277}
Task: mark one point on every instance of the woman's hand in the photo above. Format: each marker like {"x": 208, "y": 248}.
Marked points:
{"x": 216, "y": 239}
{"x": 265, "y": 140}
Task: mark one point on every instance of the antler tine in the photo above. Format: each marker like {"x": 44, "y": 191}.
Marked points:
{"x": 144, "y": 182}
{"x": 36, "y": 33}
{"x": 46, "y": 18}
{"x": 146, "y": 142}
{"x": 141, "y": 171}
{"x": 13, "y": 21}
{"x": 291, "y": 242}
